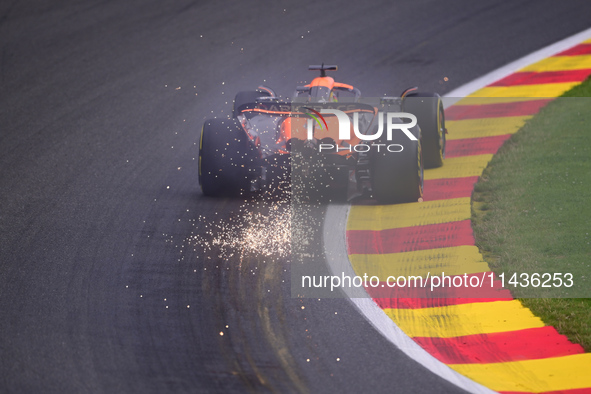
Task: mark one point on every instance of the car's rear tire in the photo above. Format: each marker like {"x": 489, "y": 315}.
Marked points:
{"x": 397, "y": 177}
{"x": 246, "y": 97}
{"x": 226, "y": 158}
{"x": 428, "y": 108}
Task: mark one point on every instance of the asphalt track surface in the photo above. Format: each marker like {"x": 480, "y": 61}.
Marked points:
{"x": 99, "y": 202}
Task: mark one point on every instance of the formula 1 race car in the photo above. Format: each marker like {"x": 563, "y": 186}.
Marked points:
{"x": 323, "y": 138}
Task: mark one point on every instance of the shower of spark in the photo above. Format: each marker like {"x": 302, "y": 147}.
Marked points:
{"x": 266, "y": 233}
{"x": 265, "y": 227}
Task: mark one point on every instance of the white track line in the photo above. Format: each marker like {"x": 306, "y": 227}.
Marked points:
{"x": 336, "y": 247}
{"x": 512, "y": 67}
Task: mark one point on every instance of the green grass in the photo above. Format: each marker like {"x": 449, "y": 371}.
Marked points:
{"x": 532, "y": 210}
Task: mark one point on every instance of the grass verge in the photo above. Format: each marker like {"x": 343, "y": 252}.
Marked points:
{"x": 532, "y": 209}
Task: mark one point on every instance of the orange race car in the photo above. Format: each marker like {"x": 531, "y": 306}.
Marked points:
{"x": 322, "y": 139}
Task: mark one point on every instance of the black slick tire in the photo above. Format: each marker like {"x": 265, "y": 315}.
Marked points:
{"x": 397, "y": 177}
{"x": 428, "y": 108}
{"x": 226, "y": 158}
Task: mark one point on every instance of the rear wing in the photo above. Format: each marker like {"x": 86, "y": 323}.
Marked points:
{"x": 323, "y": 68}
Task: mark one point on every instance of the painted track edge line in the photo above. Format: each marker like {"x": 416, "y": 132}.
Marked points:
{"x": 338, "y": 261}
{"x": 455, "y": 95}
